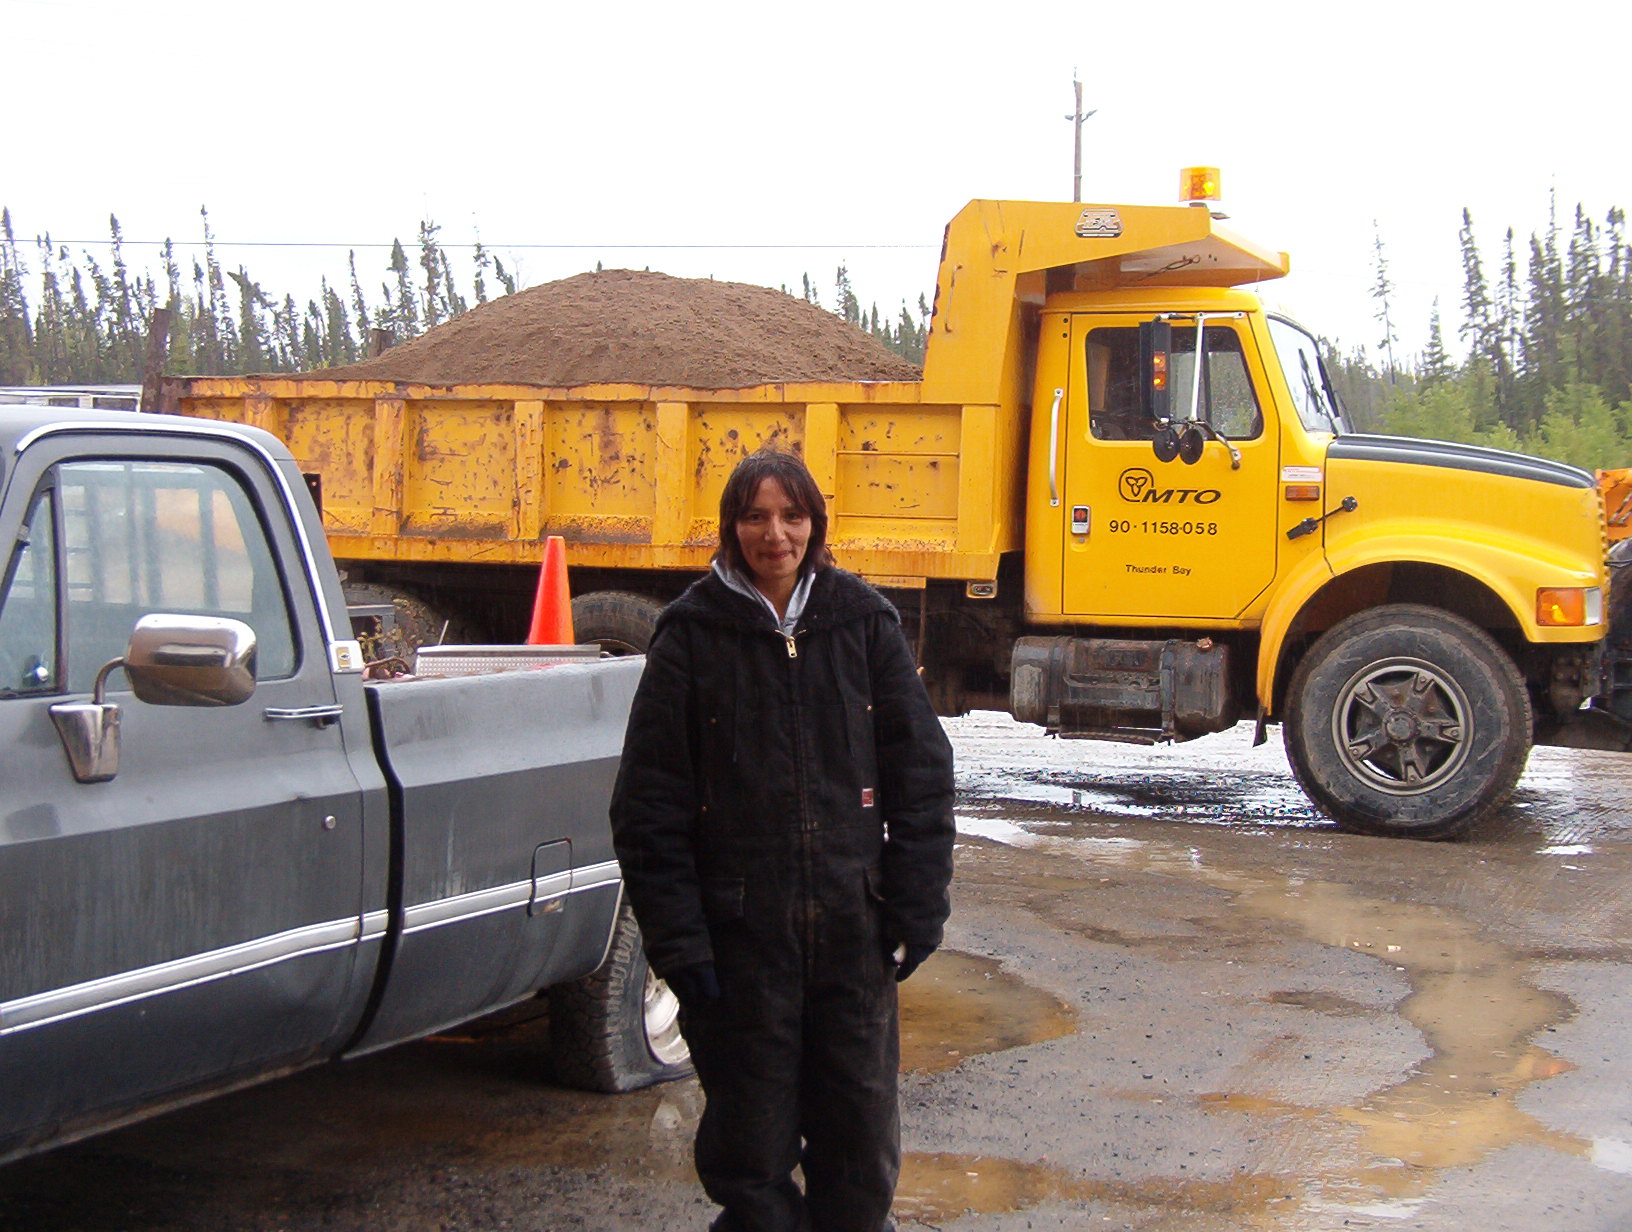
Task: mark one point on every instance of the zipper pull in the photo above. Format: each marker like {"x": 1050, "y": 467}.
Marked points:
{"x": 793, "y": 650}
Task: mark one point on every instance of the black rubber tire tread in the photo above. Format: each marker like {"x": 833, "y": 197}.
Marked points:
{"x": 598, "y": 1023}
{"x": 620, "y": 620}
{"x": 1499, "y": 744}
{"x": 419, "y": 622}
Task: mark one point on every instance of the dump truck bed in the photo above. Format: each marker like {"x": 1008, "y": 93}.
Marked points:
{"x": 631, "y": 475}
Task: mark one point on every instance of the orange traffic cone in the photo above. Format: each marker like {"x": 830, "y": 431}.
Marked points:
{"x": 552, "y": 607}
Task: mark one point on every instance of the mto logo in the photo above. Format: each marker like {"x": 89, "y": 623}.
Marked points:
{"x": 1138, "y": 487}
{"x": 1135, "y": 482}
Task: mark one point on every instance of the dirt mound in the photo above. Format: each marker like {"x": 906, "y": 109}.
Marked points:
{"x": 639, "y": 328}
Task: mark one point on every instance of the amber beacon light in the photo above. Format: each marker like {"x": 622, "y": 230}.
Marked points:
{"x": 1197, "y": 184}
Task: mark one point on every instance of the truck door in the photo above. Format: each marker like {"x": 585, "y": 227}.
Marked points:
{"x": 197, "y": 916}
{"x": 1165, "y": 540}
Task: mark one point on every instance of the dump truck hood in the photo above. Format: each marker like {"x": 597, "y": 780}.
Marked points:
{"x": 1413, "y": 452}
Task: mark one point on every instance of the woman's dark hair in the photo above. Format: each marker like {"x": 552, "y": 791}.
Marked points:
{"x": 796, "y": 481}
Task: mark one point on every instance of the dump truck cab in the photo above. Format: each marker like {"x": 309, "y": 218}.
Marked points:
{"x": 1201, "y": 523}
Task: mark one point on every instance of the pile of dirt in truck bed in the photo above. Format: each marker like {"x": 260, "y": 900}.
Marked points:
{"x": 641, "y": 328}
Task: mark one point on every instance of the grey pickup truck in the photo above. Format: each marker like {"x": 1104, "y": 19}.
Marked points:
{"x": 224, "y": 855}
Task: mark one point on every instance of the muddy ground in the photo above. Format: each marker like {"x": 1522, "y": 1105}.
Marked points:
{"x": 1172, "y": 997}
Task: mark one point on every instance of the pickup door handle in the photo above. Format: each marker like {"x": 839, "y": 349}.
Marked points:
{"x": 321, "y": 715}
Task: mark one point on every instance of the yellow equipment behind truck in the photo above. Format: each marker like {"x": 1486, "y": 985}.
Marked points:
{"x": 1082, "y": 521}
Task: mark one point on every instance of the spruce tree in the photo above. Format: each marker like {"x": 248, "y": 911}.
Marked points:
{"x": 845, "y": 306}
{"x": 1436, "y": 364}
{"x": 432, "y": 261}
{"x": 481, "y": 259}
{"x": 1477, "y": 327}
{"x": 359, "y": 305}
{"x": 17, "y": 365}
{"x": 401, "y": 312}
{"x": 253, "y": 342}
{"x": 339, "y": 346}
{"x": 126, "y": 328}
{"x": 1382, "y": 290}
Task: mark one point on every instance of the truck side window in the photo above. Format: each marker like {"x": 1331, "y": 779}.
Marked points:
{"x": 152, "y": 536}
{"x": 1227, "y": 398}
{"x": 28, "y": 611}
{"x": 1306, "y": 378}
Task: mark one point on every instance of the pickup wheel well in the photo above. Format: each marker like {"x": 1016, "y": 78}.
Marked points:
{"x": 617, "y": 1029}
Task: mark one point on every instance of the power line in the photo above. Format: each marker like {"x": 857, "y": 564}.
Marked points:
{"x": 490, "y": 246}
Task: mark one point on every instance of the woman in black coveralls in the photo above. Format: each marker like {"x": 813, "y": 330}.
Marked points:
{"x": 783, "y": 816}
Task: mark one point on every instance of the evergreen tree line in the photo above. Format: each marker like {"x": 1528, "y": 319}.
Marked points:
{"x": 88, "y": 319}
{"x": 1546, "y": 339}
{"x": 89, "y": 322}
{"x": 907, "y": 335}
{"x": 1547, "y": 345}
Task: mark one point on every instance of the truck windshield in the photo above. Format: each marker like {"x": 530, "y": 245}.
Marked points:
{"x": 1312, "y": 393}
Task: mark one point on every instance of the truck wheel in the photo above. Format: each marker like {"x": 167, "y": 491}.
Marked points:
{"x": 618, "y": 1029}
{"x": 1407, "y": 720}
{"x": 417, "y": 623}
{"x": 621, "y": 621}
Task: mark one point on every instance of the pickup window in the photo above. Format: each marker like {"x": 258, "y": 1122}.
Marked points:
{"x": 28, "y": 617}
{"x": 113, "y": 540}
{"x": 1227, "y": 398}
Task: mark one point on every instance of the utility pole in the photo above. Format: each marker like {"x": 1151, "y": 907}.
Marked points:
{"x": 1077, "y": 117}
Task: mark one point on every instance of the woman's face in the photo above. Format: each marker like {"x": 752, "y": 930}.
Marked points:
{"x": 772, "y": 533}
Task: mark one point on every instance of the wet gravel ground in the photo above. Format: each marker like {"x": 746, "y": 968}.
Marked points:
{"x": 1172, "y": 997}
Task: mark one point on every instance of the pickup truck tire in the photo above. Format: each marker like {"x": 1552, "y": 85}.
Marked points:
{"x": 617, "y": 1029}
{"x": 1407, "y": 720}
{"x": 621, "y": 621}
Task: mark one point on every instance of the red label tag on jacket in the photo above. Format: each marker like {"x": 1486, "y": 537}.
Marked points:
{"x": 866, "y": 797}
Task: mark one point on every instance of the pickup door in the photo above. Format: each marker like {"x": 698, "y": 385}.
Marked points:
{"x": 504, "y": 879}
{"x": 201, "y": 915}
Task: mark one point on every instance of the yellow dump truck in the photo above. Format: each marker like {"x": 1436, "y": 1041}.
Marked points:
{"x": 1122, "y": 502}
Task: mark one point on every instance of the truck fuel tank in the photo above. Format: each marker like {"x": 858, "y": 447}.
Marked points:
{"x": 1143, "y": 692}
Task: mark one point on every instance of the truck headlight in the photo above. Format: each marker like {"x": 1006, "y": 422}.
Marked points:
{"x": 1574, "y": 606}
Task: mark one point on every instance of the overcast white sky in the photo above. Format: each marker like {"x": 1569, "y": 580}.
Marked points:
{"x": 845, "y": 132}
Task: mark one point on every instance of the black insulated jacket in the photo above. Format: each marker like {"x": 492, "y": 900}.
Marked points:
{"x": 802, "y": 785}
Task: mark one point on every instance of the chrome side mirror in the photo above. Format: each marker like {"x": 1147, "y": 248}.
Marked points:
{"x": 191, "y": 661}
{"x": 170, "y": 661}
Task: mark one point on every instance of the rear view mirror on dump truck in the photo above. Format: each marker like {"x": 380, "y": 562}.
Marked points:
{"x": 1155, "y": 345}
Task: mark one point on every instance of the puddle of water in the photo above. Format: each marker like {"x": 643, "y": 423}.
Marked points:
{"x": 1476, "y": 1007}
{"x": 1473, "y": 1000}
{"x": 651, "y": 1140}
{"x": 938, "y": 1187}
{"x": 1322, "y": 1003}
{"x": 997, "y": 829}
{"x": 958, "y": 1005}
{"x": 1612, "y": 1155}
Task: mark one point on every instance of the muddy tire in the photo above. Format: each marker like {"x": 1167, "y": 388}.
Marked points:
{"x": 1408, "y": 721}
{"x": 417, "y": 622}
{"x": 617, "y": 1029}
{"x": 622, "y": 622}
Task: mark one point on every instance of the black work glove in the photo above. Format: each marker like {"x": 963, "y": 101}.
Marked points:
{"x": 911, "y": 960}
{"x": 697, "y": 984}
